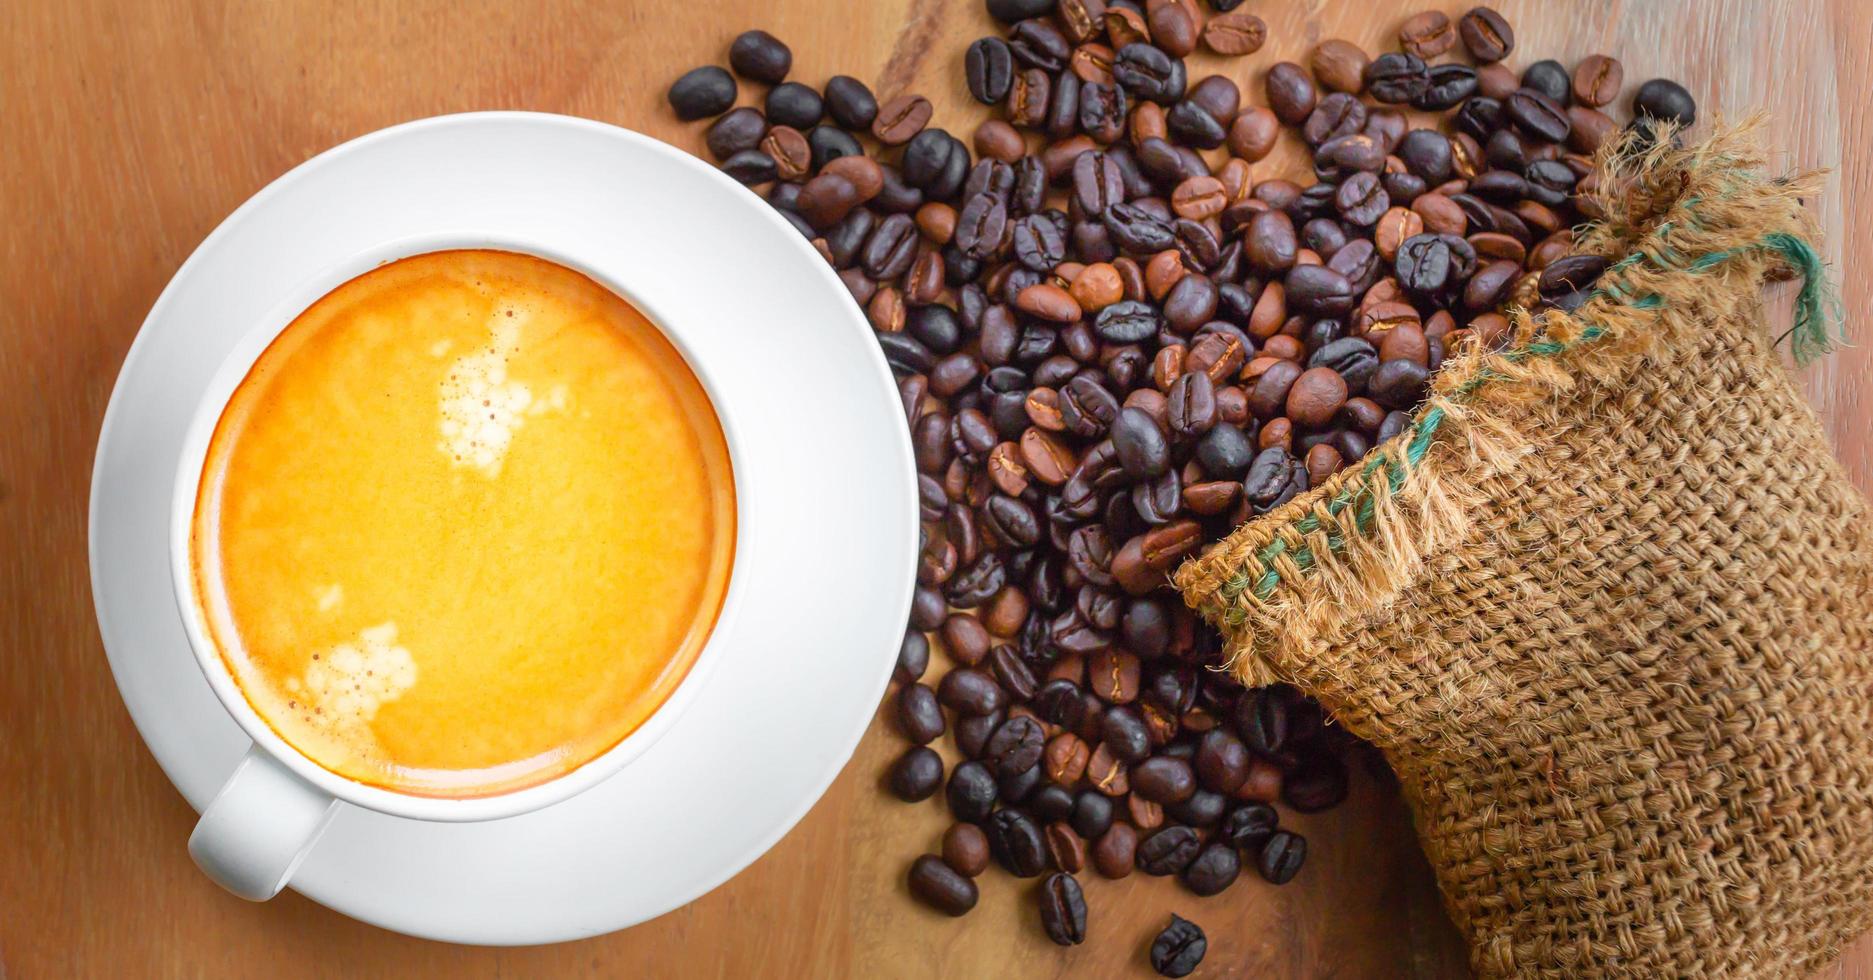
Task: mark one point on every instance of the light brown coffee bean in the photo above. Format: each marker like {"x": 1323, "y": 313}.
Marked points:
{"x": 788, "y": 147}
{"x": 1096, "y": 287}
{"x": 935, "y": 219}
{"x": 1081, "y": 20}
{"x": 1116, "y": 850}
{"x": 1316, "y": 397}
{"x": 866, "y": 175}
{"x": 1043, "y": 408}
{"x": 1407, "y": 342}
{"x": 1211, "y": 497}
{"x": 1126, "y": 25}
{"x": 1339, "y": 65}
{"x": 1048, "y": 302}
{"x": 1235, "y": 33}
{"x": 1065, "y": 758}
{"x": 1173, "y": 29}
{"x": 1322, "y": 462}
{"x": 1395, "y": 225}
{"x": 1048, "y": 459}
{"x": 1112, "y": 674}
{"x": 1163, "y": 271}
{"x": 900, "y": 119}
{"x": 1253, "y": 133}
{"x": 1007, "y": 470}
{"x": 1168, "y": 365}
{"x": 1065, "y": 849}
{"x": 965, "y": 638}
{"x": 997, "y": 140}
{"x": 1440, "y": 214}
{"x": 966, "y": 849}
{"x": 1427, "y": 34}
{"x": 1092, "y": 63}
{"x": 1597, "y": 80}
{"x": 886, "y": 310}
{"x": 1107, "y": 773}
{"x": 1198, "y": 198}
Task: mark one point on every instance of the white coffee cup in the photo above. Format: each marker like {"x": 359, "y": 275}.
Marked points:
{"x": 270, "y": 812}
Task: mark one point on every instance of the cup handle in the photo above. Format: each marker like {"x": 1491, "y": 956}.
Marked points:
{"x": 258, "y": 828}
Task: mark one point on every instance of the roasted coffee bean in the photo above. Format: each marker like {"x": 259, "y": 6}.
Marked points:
{"x": 1065, "y": 850}
{"x": 760, "y": 56}
{"x": 1107, "y": 773}
{"x": 702, "y": 92}
{"x": 973, "y": 731}
{"x": 1214, "y": 869}
{"x": 913, "y": 657}
{"x": 1261, "y": 718}
{"x": 971, "y": 792}
{"x": 1013, "y": 673}
{"x": 751, "y": 167}
{"x": 1291, "y": 92}
{"x": 1248, "y": 827}
{"x": 1571, "y": 274}
{"x": 1537, "y": 115}
{"x": 1136, "y": 230}
{"x": 989, "y": 70}
{"x": 1666, "y": 100}
{"x": 1398, "y": 384}
{"x": 1015, "y": 747}
{"x": 916, "y": 774}
{"x": 900, "y": 119}
{"x": 1058, "y": 703}
{"x": 1427, "y": 34}
{"x": 794, "y": 104}
{"x": 1124, "y": 733}
{"x": 736, "y": 132}
{"x": 1486, "y": 34}
{"x": 1063, "y": 909}
{"x": 1049, "y": 803}
{"x": 1596, "y": 80}
{"x": 1015, "y": 842}
{"x": 1234, "y": 33}
{"x": 1281, "y": 857}
{"x": 1114, "y": 852}
{"x": 1449, "y": 85}
{"x": 1013, "y": 11}
{"x": 1163, "y": 780}
{"x": 1113, "y": 675}
{"x": 1397, "y": 77}
{"x": 1179, "y": 949}
{"x": 1222, "y": 761}
{"x": 1318, "y": 784}
{"x": 941, "y": 887}
{"x": 850, "y": 103}
{"x": 919, "y": 717}
{"x": 1018, "y": 787}
{"x": 1320, "y": 290}
{"x": 1037, "y": 43}
{"x": 1149, "y": 73}
{"x": 1092, "y": 814}
{"x": 970, "y": 692}
{"x": 1192, "y": 406}
{"x": 1168, "y": 851}
{"x": 1140, "y": 445}
{"x": 966, "y": 849}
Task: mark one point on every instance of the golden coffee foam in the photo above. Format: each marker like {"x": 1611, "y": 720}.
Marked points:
{"x": 464, "y": 526}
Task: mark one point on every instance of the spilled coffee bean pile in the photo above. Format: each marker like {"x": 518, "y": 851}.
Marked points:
{"x": 1113, "y": 349}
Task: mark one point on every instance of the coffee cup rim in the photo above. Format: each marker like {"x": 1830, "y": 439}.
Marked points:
{"x": 186, "y": 486}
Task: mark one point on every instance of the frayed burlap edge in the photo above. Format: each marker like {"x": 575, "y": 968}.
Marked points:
{"x": 1691, "y": 234}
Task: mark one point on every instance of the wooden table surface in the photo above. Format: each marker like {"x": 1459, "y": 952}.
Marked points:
{"x": 129, "y": 129}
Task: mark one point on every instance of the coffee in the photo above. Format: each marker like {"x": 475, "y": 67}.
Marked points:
{"x": 464, "y": 526}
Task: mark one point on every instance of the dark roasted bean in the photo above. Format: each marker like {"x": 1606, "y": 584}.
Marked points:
{"x": 1063, "y": 909}
{"x": 1179, "y": 948}
{"x": 941, "y": 887}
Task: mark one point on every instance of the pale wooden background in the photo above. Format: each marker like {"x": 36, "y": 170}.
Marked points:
{"x": 128, "y": 130}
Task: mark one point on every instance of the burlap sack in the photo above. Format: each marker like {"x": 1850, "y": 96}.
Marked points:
{"x": 1607, "y": 608}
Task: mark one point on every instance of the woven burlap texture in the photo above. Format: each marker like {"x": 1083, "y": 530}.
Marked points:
{"x": 1611, "y": 618}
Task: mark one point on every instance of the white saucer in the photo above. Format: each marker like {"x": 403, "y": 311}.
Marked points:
{"x": 828, "y": 497}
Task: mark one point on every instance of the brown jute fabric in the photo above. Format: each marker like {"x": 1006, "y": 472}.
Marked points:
{"x": 1611, "y": 619}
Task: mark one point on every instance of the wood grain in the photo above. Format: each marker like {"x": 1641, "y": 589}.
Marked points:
{"x": 130, "y": 129}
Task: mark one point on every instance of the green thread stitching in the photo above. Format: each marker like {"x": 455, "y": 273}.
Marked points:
{"x": 1818, "y": 317}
